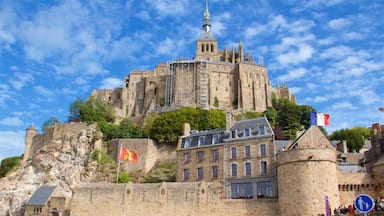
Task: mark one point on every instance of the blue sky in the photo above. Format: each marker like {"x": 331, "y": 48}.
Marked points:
{"x": 330, "y": 53}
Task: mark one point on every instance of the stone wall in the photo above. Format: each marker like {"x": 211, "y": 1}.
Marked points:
{"x": 195, "y": 198}
{"x": 148, "y": 153}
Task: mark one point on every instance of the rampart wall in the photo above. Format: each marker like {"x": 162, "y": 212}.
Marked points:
{"x": 164, "y": 199}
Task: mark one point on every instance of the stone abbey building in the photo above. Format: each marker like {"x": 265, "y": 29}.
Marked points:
{"x": 225, "y": 79}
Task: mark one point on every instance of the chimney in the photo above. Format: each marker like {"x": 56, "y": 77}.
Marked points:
{"x": 186, "y": 129}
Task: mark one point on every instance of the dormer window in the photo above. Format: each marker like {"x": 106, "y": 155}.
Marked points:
{"x": 215, "y": 139}
{"x": 234, "y": 134}
{"x": 201, "y": 140}
{"x": 247, "y": 132}
{"x": 262, "y": 129}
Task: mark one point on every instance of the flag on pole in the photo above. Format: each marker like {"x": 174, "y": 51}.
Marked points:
{"x": 319, "y": 119}
{"x": 128, "y": 155}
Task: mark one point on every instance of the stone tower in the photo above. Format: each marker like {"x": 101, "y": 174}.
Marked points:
{"x": 31, "y": 131}
{"x": 307, "y": 175}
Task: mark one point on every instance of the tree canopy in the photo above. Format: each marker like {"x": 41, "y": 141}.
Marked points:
{"x": 49, "y": 122}
{"x": 168, "y": 127}
{"x": 9, "y": 164}
{"x": 355, "y": 137}
{"x": 90, "y": 111}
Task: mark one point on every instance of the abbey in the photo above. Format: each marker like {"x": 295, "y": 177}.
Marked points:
{"x": 225, "y": 79}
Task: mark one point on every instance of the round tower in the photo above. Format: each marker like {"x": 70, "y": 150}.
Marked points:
{"x": 307, "y": 176}
{"x": 31, "y": 131}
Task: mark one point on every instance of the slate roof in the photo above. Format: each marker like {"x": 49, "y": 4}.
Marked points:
{"x": 41, "y": 196}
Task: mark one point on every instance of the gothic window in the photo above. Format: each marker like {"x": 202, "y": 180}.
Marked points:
{"x": 212, "y": 47}
{"x": 207, "y": 47}
{"x": 202, "y": 47}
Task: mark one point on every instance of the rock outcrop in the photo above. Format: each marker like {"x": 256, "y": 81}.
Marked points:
{"x": 65, "y": 160}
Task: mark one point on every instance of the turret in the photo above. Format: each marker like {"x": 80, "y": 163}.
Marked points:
{"x": 31, "y": 131}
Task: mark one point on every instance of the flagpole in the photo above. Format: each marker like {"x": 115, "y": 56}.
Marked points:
{"x": 118, "y": 165}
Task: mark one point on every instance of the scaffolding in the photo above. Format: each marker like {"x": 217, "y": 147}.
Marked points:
{"x": 203, "y": 84}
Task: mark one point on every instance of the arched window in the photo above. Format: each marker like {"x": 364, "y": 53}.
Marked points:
{"x": 212, "y": 47}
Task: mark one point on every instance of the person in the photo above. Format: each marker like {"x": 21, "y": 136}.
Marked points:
{"x": 351, "y": 210}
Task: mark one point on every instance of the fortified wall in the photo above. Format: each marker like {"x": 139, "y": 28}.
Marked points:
{"x": 165, "y": 199}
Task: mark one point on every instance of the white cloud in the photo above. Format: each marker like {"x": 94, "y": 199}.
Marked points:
{"x": 20, "y": 79}
{"x": 169, "y": 7}
{"x": 293, "y": 75}
{"x": 344, "y": 105}
{"x": 339, "y": 23}
{"x": 299, "y": 54}
{"x": 111, "y": 83}
{"x": 11, "y": 121}
{"x": 46, "y": 93}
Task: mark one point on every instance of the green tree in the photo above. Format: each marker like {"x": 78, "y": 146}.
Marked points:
{"x": 123, "y": 130}
{"x": 9, "y": 164}
{"x": 90, "y": 111}
{"x": 49, "y": 122}
{"x": 355, "y": 137}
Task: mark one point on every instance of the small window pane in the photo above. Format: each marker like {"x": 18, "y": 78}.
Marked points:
{"x": 263, "y": 150}
{"x": 233, "y": 153}
{"x": 215, "y": 155}
{"x": 248, "y": 169}
{"x": 234, "y": 169}
{"x": 186, "y": 174}
{"x": 263, "y": 167}
{"x": 186, "y": 157}
{"x": 215, "y": 171}
{"x": 200, "y": 156}
{"x": 247, "y": 150}
{"x": 200, "y": 172}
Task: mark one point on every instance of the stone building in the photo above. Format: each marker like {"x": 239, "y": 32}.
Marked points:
{"x": 241, "y": 158}
{"x": 47, "y": 201}
{"x": 213, "y": 78}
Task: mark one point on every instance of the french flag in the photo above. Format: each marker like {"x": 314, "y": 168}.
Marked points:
{"x": 319, "y": 119}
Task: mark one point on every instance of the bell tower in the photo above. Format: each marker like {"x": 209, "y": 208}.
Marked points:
{"x": 206, "y": 45}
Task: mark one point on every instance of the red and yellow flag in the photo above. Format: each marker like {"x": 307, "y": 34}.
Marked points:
{"x": 128, "y": 155}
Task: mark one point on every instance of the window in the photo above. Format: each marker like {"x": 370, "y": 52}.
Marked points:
{"x": 262, "y": 129}
{"x": 233, "y": 153}
{"x": 234, "y": 169}
{"x": 264, "y": 189}
{"x": 186, "y": 174}
{"x": 234, "y": 134}
{"x": 201, "y": 140}
{"x": 215, "y": 171}
{"x": 186, "y": 157}
{"x": 215, "y": 155}
{"x": 187, "y": 143}
{"x": 242, "y": 190}
{"x": 215, "y": 139}
{"x": 248, "y": 169}
{"x": 247, "y": 151}
{"x": 247, "y": 132}
{"x": 200, "y": 173}
{"x": 263, "y": 167}
{"x": 263, "y": 150}
{"x": 200, "y": 156}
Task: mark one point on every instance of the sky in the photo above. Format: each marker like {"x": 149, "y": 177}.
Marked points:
{"x": 330, "y": 53}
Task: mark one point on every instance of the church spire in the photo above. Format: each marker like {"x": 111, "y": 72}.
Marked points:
{"x": 207, "y": 18}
